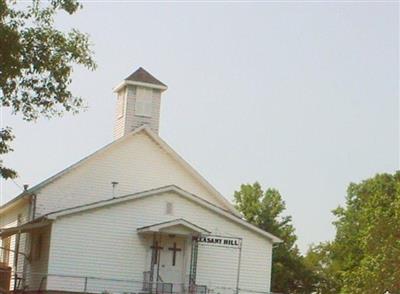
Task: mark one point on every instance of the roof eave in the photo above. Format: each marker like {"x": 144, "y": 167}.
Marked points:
{"x": 15, "y": 201}
{"x": 160, "y": 142}
{"x": 49, "y": 180}
{"x": 189, "y": 168}
{"x": 176, "y": 222}
{"x": 26, "y": 227}
{"x": 170, "y": 188}
{"x": 141, "y": 84}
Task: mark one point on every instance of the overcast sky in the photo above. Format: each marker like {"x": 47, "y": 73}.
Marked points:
{"x": 302, "y": 97}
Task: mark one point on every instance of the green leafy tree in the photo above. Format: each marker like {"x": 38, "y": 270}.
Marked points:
{"x": 36, "y": 63}
{"x": 367, "y": 243}
{"x": 264, "y": 209}
{"x": 364, "y": 257}
{"x": 319, "y": 261}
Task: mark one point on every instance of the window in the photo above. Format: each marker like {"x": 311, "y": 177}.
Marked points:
{"x": 131, "y": 92}
{"x": 169, "y": 209}
{"x": 120, "y": 103}
{"x": 144, "y": 102}
{"x": 5, "y": 250}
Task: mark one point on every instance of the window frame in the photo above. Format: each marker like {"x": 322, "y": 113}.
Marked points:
{"x": 144, "y": 102}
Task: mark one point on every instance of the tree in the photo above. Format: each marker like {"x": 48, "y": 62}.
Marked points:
{"x": 367, "y": 243}
{"x": 264, "y": 209}
{"x": 36, "y": 63}
{"x": 364, "y": 257}
{"x": 319, "y": 261}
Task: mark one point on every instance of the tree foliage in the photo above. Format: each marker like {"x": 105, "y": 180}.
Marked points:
{"x": 5, "y": 137}
{"x": 365, "y": 254}
{"x": 36, "y": 63}
{"x": 265, "y": 210}
{"x": 319, "y": 260}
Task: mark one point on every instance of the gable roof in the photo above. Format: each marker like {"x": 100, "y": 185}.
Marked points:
{"x": 161, "y": 143}
{"x": 142, "y": 75}
{"x": 168, "y": 224}
{"x": 161, "y": 190}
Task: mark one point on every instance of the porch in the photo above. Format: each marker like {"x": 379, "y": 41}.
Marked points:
{"x": 168, "y": 252}
{"x": 25, "y": 251}
{"x": 171, "y": 262}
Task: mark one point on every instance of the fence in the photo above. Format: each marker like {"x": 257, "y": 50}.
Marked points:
{"x": 90, "y": 284}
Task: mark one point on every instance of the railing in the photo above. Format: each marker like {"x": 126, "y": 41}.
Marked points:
{"x": 200, "y": 289}
{"x": 165, "y": 288}
{"x": 159, "y": 287}
{"x": 41, "y": 282}
{"x": 146, "y": 281}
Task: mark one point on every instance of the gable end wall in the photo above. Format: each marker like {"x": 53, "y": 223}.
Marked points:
{"x": 137, "y": 164}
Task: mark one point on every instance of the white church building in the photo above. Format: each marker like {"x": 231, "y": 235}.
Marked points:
{"x": 133, "y": 217}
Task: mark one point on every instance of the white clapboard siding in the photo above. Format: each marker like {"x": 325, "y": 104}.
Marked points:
{"x": 133, "y": 121}
{"x": 129, "y": 121}
{"x": 137, "y": 164}
{"x": 217, "y": 266}
{"x": 104, "y": 243}
{"x": 120, "y": 118}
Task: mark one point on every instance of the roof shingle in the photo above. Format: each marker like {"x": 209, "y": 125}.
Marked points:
{"x": 141, "y": 75}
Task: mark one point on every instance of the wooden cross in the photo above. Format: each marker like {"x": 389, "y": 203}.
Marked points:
{"x": 174, "y": 249}
{"x": 156, "y": 248}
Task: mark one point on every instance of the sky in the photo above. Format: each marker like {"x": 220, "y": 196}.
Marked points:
{"x": 300, "y": 96}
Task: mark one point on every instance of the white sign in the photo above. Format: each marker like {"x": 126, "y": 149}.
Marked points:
{"x": 219, "y": 241}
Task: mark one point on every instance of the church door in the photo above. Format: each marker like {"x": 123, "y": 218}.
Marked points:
{"x": 172, "y": 261}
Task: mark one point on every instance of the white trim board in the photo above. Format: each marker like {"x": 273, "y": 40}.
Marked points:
{"x": 168, "y": 224}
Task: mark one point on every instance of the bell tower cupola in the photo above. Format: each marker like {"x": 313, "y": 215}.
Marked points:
{"x": 138, "y": 103}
